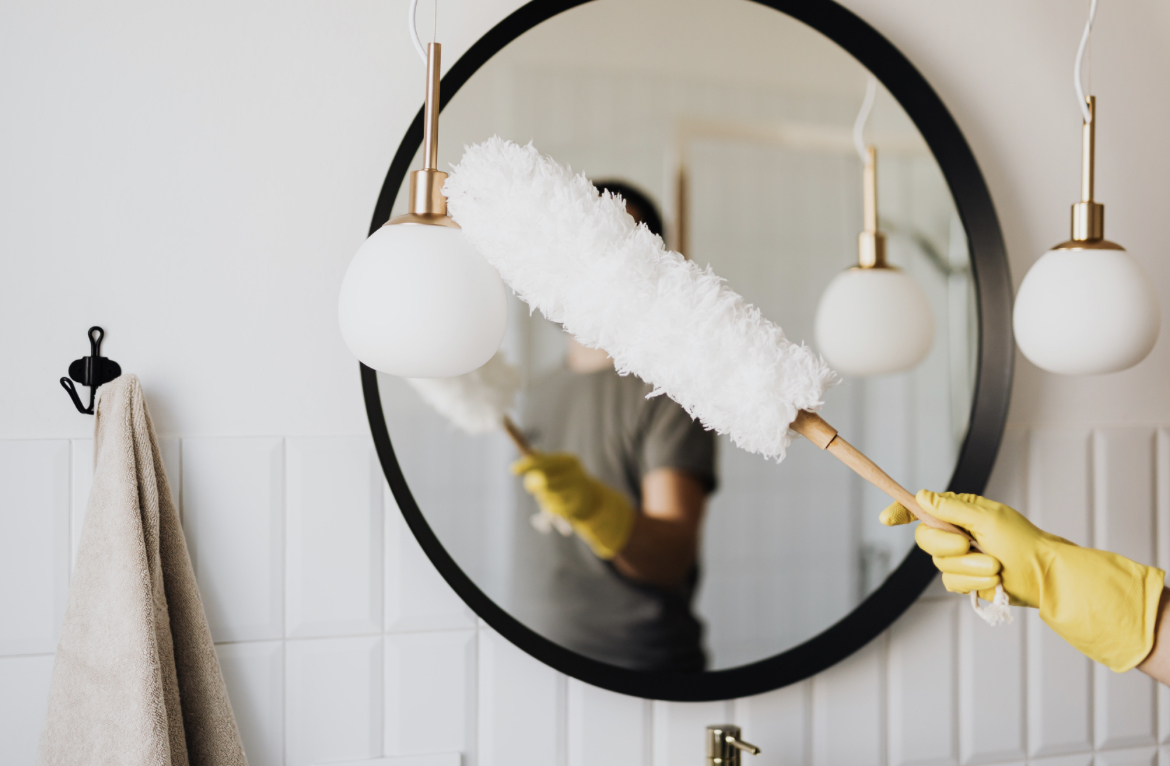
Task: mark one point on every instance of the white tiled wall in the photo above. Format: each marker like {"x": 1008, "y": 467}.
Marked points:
{"x": 340, "y": 643}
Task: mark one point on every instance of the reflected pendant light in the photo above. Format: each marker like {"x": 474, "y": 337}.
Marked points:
{"x": 873, "y": 319}
{"x": 418, "y": 300}
{"x": 1086, "y": 307}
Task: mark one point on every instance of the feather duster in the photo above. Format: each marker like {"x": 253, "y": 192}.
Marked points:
{"x": 477, "y": 402}
{"x": 578, "y": 257}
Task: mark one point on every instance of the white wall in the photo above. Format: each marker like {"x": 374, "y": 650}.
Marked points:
{"x": 195, "y": 178}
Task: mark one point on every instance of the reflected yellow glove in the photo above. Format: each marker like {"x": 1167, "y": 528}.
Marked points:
{"x": 599, "y": 514}
{"x": 1103, "y": 604}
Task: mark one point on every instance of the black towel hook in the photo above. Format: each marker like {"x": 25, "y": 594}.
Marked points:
{"x": 92, "y": 371}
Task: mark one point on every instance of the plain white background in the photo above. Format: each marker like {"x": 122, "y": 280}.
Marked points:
{"x": 195, "y": 179}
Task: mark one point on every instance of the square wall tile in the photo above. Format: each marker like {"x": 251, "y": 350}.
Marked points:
{"x": 233, "y": 501}
{"x": 922, "y": 659}
{"x": 430, "y": 693}
{"x": 333, "y": 700}
{"x": 417, "y": 596}
{"x": 334, "y": 537}
{"x": 778, "y": 723}
{"x": 680, "y": 729}
{"x": 1060, "y": 679}
{"x": 34, "y": 544}
{"x": 992, "y": 724}
{"x": 254, "y": 674}
{"x": 521, "y": 707}
{"x": 848, "y": 709}
{"x": 607, "y": 729}
{"x": 24, "y": 700}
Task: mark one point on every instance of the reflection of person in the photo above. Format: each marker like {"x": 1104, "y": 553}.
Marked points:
{"x": 631, "y": 475}
{"x": 1106, "y": 606}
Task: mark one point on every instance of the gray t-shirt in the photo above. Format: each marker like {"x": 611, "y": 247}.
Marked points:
{"x": 561, "y": 589}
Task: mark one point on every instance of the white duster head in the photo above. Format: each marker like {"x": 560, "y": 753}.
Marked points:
{"x": 475, "y": 402}
{"x": 578, "y": 257}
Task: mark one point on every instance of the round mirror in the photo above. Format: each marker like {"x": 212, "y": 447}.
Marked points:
{"x": 728, "y": 127}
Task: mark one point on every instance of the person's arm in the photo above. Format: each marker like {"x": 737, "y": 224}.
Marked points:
{"x": 1156, "y": 665}
{"x": 664, "y": 540}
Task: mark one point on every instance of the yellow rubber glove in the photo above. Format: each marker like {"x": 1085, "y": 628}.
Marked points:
{"x": 599, "y": 514}
{"x": 1103, "y": 604}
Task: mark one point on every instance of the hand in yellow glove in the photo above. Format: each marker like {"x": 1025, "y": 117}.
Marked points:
{"x": 599, "y": 514}
{"x": 1103, "y": 604}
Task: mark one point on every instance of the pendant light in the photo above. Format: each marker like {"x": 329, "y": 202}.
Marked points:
{"x": 417, "y": 299}
{"x": 873, "y": 319}
{"x": 1086, "y": 307}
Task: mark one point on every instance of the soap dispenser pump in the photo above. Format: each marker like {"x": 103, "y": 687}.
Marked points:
{"x": 724, "y": 745}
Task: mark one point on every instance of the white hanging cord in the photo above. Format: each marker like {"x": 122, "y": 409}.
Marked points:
{"x": 1077, "y": 81}
{"x": 863, "y": 117}
{"x": 411, "y": 12}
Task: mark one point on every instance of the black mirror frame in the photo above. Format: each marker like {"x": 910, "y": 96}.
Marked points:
{"x": 976, "y": 456}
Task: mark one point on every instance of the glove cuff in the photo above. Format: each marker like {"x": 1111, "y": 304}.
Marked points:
{"x": 1104, "y": 604}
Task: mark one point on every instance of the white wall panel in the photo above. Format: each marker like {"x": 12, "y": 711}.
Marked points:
{"x": 430, "y": 693}
{"x": 254, "y": 674}
{"x": 1125, "y": 709}
{"x": 233, "y": 500}
{"x": 1059, "y": 677}
{"x": 991, "y": 660}
{"x": 417, "y": 596}
{"x": 521, "y": 707}
{"x": 334, "y": 582}
{"x": 1058, "y": 482}
{"x": 1079, "y": 759}
{"x": 922, "y": 685}
{"x": 434, "y": 759}
{"x": 34, "y": 544}
{"x": 1124, "y": 485}
{"x": 333, "y": 700}
{"x": 24, "y": 700}
{"x": 1162, "y": 499}
{"x": 777, "y": 722}
{"x": 680, "y": 728}
{"x": 1008, "y": 482}
{"x": 607, "y": 729}
{"x": 848, "y": 712}
{"x": 81, "y": 473}
{"x": 1162, "y": 548}
{"x": 991, "y": 688}
{"x": 1144, "y": 756}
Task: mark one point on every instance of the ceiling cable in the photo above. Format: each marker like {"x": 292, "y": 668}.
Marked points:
{"x": 863, "y": 117}
{"x": 1082, "y": 100}
{"x": 411, "y": 13}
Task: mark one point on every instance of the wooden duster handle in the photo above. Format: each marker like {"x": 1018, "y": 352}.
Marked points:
{"x": 814, "y": 428}
{"x": 517, "y": 437}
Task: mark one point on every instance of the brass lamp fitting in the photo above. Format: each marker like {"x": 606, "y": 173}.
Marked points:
{"x": 871, "y": 243}
{"x": 1088, "y": 217}
{"x": 426, "y": 203}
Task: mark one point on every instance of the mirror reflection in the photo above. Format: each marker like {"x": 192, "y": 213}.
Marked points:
{"x": 727, "y": 127}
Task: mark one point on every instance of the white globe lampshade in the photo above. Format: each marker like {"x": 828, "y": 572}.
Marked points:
{"x": 420, "y": 302}
{"x": 874, "y": 321}
{"x": 1085, "y": 312}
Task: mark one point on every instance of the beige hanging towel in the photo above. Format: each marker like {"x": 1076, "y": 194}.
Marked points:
{"x": 136, "y": 681}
